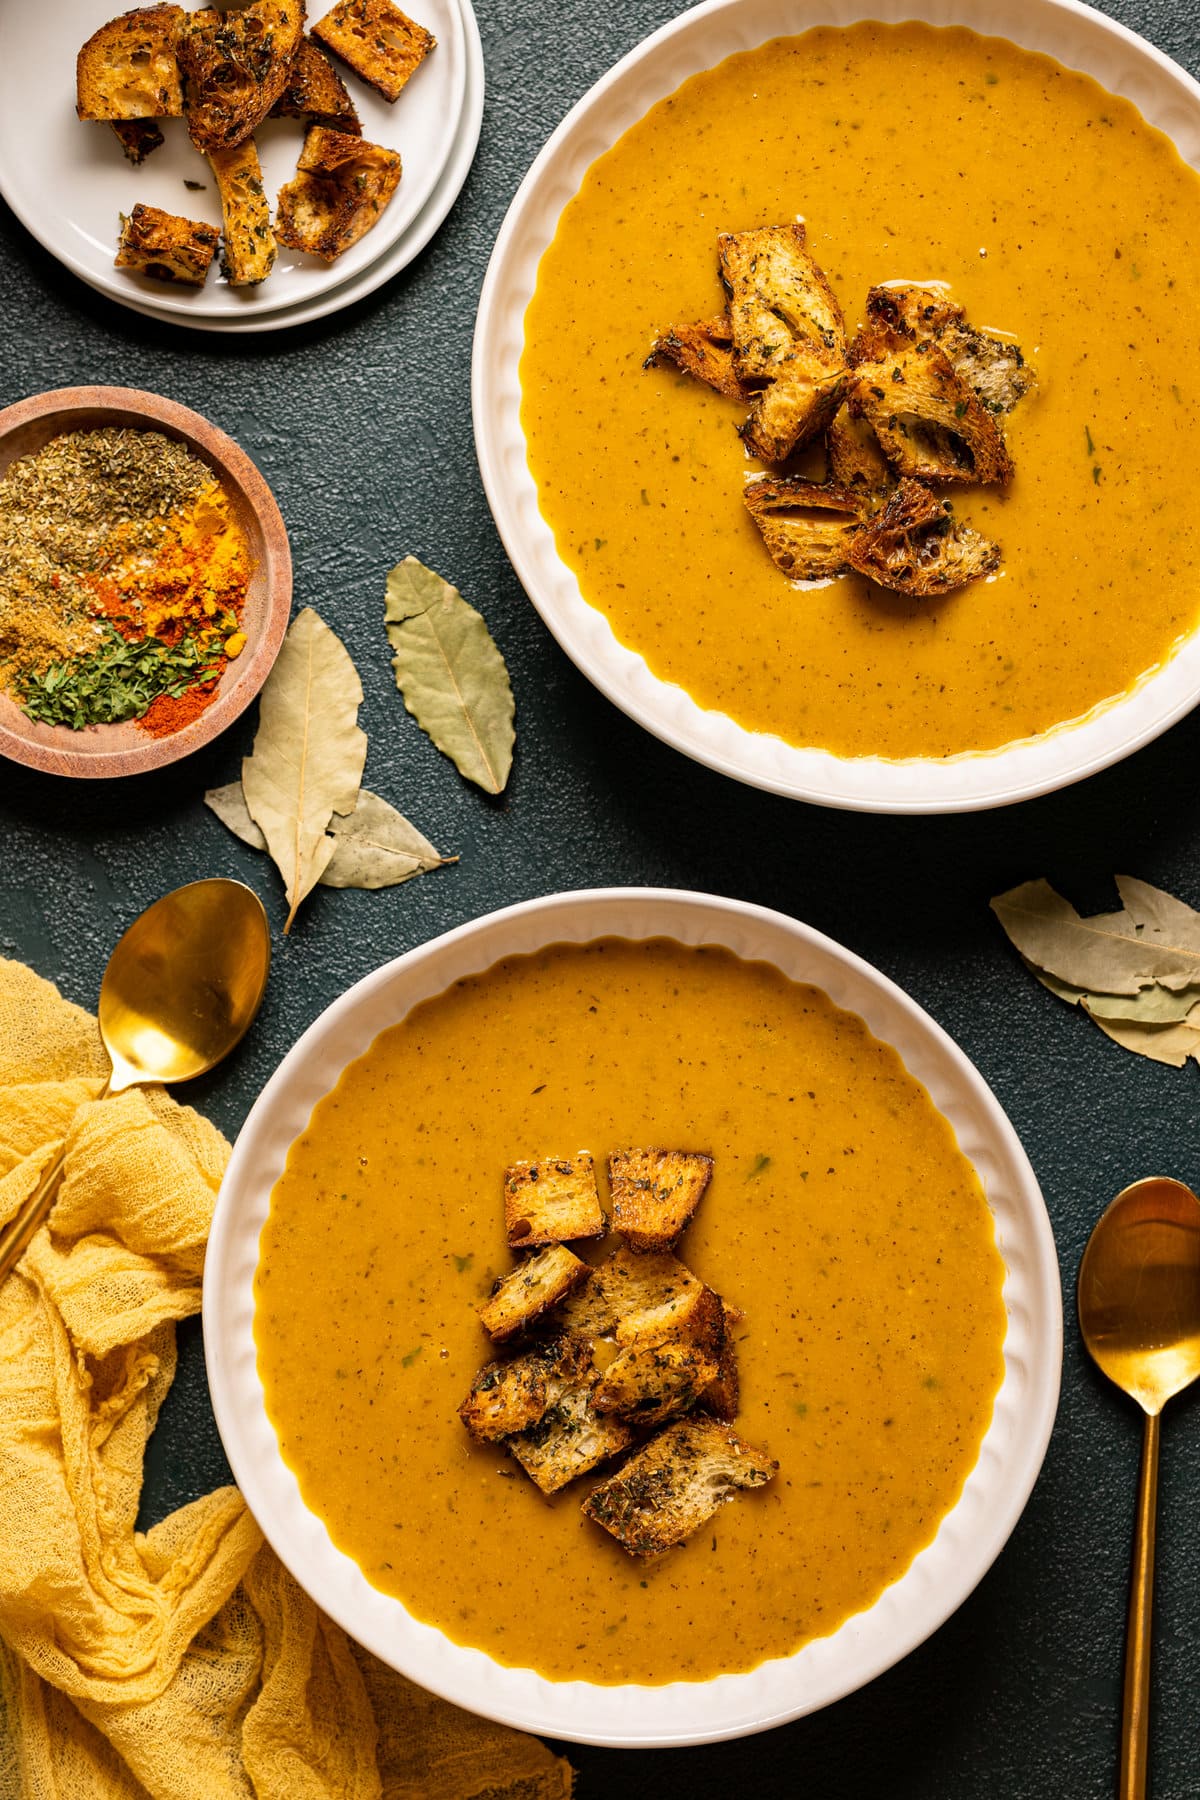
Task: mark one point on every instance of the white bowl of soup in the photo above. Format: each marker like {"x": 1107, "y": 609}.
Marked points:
{"x": 1031, "y": 154}
{"x": 871, "y": 1215}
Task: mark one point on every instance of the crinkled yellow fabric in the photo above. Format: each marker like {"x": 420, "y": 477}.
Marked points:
{"x": 183, "y": 1663}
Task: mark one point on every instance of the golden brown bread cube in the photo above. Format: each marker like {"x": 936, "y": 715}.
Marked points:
{"x": 992, "y": 367}
{"x": 704, "y": 351}
{"x": 929, "y": 423}
{"x": 675, "y": 1484}
{"x": 570, "y": 1439}
{"x": 552, "y": 1200}
{"x": 856, "y": 461}
{"x": 723, "y": 1393}
{"x": 380, "y": 43}
{"x": 915, "y": 546}
{"x": 250, "y": 246}
{"x": 129, "y": 69}
{"x": 628, "y": 1292}
{"x": 236, "y": 65}
{"x": 664, "y": 1369}
{"x": 167, "y": 247}
{"x": 315, "y": 91}
{"x": 531, "y": 1289}
{"x": 806, "y": 528}
{"x": 508, "y": 1397}
{"x": 655, "y": 1193}
{"x": 796, "y": 406}
{"x": 341, "y": 186}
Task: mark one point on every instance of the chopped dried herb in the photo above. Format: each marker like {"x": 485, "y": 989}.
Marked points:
{"x": 118, "y": 681}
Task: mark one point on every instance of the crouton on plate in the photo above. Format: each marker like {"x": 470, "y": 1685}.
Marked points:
{"x": 316, "y": 92}
{"x": 381, "y": 44}
{"x": 250, "y": 246}
{"x": 167, "y": 247}
{"x": 129, "y": 70}
{"x": 704, "y": 351}
{"x": 655, "y": 1193}
{"x": 570, "y": 1439}
{"x": 531, "y": 1289}
{"x": 341, "y": 186}
{"x": 675, "y": 1484}
{"x": 237, "y": 64}
{"x": 507, "y": 1397}
{"x": 552, "y": 1200}
{"x": 137, "y": 137}
{"x": 806, "y": 528}
{"x": 916, "y": 546}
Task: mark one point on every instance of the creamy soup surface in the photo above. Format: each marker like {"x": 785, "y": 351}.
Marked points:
{"x": 842, "y": 1218}
{"x": 1055, "y": 213}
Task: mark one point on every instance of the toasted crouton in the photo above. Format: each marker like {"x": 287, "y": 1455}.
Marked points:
{"x": 166, "y": 247}
{"x": 629, "y": 1292}
{"x": 807, "y": 529}
{"x": 856, "y": 461}
{"x": 137, "y": 138}
{"x": 250, "y": 248}
{"x": 655, "y": 1193}
{"x": 380, "y": 43}
{"x": 129, "y": 69}
{"x": 928, "y": 421}
{"x": 552, "y": 1200}
{"x": 340, "y": 188}
{"x": 531, "y": 1289}
{"x": 795, "y": 407}
{"x": 316, "y": 92}
{"x": 570, "y": 1438}
{"x": 507, "y": 1397}
{"x": 916, "y": 547}
{"x": 663, "y": 1370}
{"x": 992, "y": 367}
{"x": 675, "y": 1484}
{"x": 236, "y": 65}
{"x": 704, "y": 351}
{"x": 722, "y": 1395}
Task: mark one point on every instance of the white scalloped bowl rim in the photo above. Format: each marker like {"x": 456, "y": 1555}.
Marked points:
{"x": 970, "y": 1536}
{"x": 1076, "y": 36}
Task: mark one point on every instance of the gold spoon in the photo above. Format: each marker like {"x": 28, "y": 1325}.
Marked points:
{"x": 180, "y": 990}
{"x": 1139, "y": 1312}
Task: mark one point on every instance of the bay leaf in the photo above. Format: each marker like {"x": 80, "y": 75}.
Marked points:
{"x": 308, "y": 755}
{"x": 374, "y": 847}
{"x": 1153, "y": 1005}
{"x": 377, "y": 847}
{"x": 1171, "y": 1044}
{"x": 450, "y": 673}
{"x": 1108, "y": 953}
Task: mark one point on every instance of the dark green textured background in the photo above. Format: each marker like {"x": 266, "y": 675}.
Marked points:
{"x": 361, "y": 424}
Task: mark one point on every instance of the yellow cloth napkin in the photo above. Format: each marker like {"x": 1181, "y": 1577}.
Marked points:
{"x": 185, "y": 1663}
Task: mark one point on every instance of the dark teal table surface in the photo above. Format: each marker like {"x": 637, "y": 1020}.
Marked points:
{"x": 362, "y": 426}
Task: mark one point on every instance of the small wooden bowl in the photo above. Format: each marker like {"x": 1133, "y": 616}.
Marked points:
{"x": 103, "y": 751}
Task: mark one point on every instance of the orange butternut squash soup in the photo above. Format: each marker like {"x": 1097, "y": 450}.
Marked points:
{"x": 841, "y": 1219}
{"x": 1055, "y": 214}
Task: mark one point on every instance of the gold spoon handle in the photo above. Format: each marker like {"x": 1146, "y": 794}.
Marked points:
{"x": 14, "y": 1239}
{"x": 1135, "y": 1708}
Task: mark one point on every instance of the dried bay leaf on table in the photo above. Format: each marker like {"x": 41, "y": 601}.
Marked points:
{"x": 308, "y": 755}
{"x": 374, "y": 847}
{"x": 1110, "y": 953}
{"x": 451, "y": 674}
{"x": 1163, "y": 1043}
{"x": 1153, "y": 1005}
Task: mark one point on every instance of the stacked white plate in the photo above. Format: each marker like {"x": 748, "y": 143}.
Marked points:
{"x": 69, "y": 182}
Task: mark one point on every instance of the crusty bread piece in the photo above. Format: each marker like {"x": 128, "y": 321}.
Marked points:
{"x": 341, "y": 186}
{"x": 795, "y": 407}
{"x": 629, "y": 1292}
{"x": 663, "y": 1370}
{"x": 166, "y": 247}
{"x": 236, "y": 66}
{"x": 316, "y": 92}
{"x": 569, "y": 1439}
{"x": 552, "y": 1201}
{"x": 856, "y": 461}
{"x": 722, "y": 1395}
{"x": 704, "y": 351}
{"x": 249, "y": 249}
{"x": 137, "y": 137}
{"x": 915, "y": 546}
{"x": 806, "y": 528}
{"x": 655, "y": 1193}
{"x": 992, "y": 367}
{"x": 507, "y": 1397}
{"x": 675, "y": 1484}
{"x": 381, "y": 44}
{"x": 928, "y": 421}
{"x": 531, "y": 1289}
{"x": 129, "y": 69}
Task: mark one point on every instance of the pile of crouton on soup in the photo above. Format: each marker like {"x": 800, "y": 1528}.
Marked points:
{"x": 224, "y": 73}
{"x": 632, "y": 1357}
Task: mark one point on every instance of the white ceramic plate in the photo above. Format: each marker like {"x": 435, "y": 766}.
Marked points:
{"x": 70, "y": 194}
{"x": 407, "y": 246}
{"x": 940, "y": 1578}
{"x": 1076, "y": 36}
